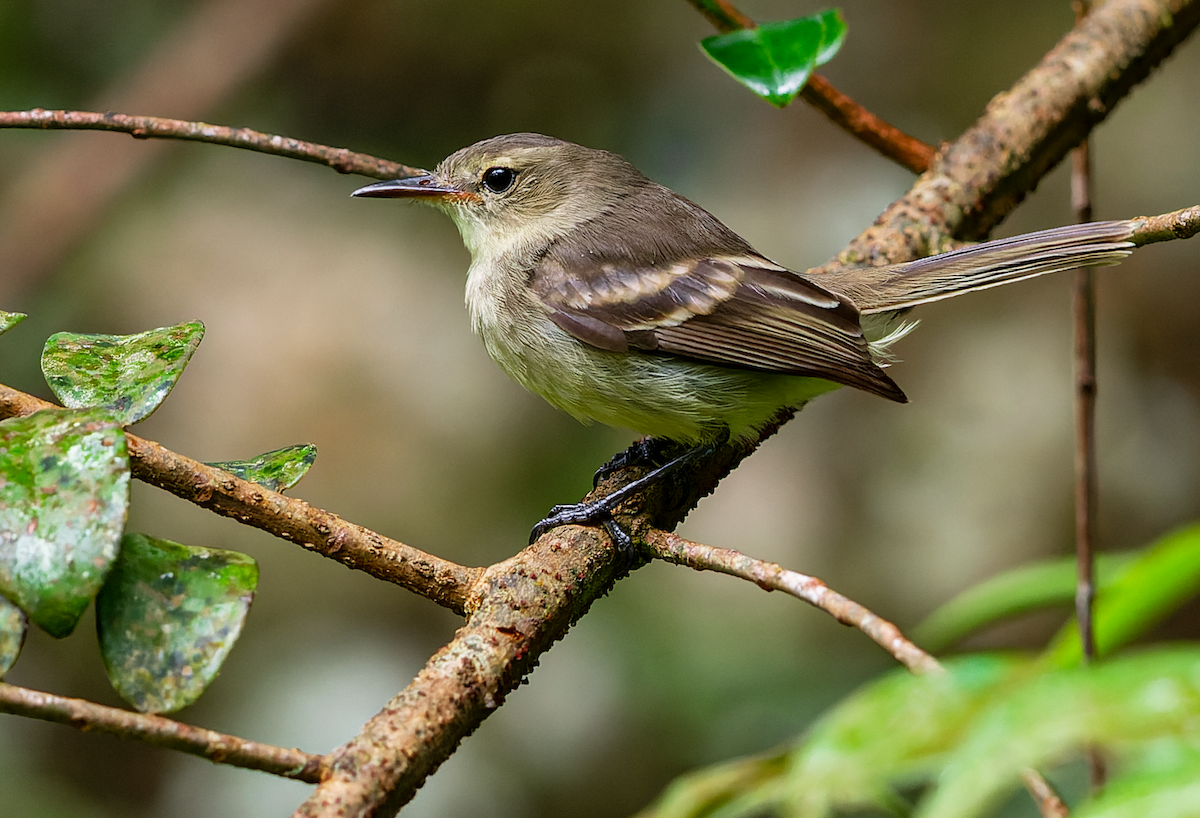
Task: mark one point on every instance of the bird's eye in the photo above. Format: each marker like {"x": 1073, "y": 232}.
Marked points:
{"x": 498, "y": 180}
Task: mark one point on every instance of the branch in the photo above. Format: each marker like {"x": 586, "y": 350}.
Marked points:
{"x": 772, "y": 577}
{"x": 218, "y": 748}
{"x": 980, "y": 177}
{"x": 152, "y": 127}
{"x": 844, "y": 112}
{"x": 444, "y": 582}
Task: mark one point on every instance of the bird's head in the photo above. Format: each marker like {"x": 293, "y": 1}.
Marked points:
{"x": 520, "y": 188}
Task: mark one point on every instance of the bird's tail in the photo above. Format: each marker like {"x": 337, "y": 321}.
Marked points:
{"x": 900, "y": 286}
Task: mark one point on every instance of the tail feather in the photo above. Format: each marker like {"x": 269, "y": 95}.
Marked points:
{"x": 991, "y": 264}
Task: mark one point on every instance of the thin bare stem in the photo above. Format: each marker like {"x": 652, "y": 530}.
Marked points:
{"x": 444, "y": 582}
{"x": 1049, "y": 803}
{"x": 843, "y": 111}
{"x": 772, "y": 577}
{"x": 153, "y": 127}
{"x": 218, "y": 748}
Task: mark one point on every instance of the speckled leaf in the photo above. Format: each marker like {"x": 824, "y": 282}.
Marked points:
{"x": 13, "y": 625}
{"x": 278, "y": 470}
{"x": 167, "y": 618}
{"x": 8, "y": 320}
{"x": 64, "y": 491}
{"x": 774, "y": 60}
{"x": 129, "y": 374}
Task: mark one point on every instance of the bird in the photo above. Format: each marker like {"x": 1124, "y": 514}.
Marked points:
{"x": 620, "y": 301}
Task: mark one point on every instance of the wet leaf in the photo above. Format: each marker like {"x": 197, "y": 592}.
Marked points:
{"x": 167, "y": 618}
{"x": 278, "y": 470}
{"x": 775, "y": 60}
{"x": 13, "y": 625}
{"x": 8, "y": 320}
{"x": 64, "y": 492}
{"x": 129, "y": 374}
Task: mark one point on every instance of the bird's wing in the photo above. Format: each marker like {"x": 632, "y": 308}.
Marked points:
{"x": 732, "y": 310}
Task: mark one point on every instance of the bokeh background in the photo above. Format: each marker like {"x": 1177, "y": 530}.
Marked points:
{"x": 340, "y": 322}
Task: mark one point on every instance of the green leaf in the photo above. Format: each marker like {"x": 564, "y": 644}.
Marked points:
{"x": 8, "y": 320}
{"x": 64, "y": 492}
{"x": 894, "y": 729}
{"x": 720, "y": 790}
{"x": 1017, "y": 591}
{"x": 833, "y": 34}
{"x": 1162, "y": 790}
{"x": 167, "y": 618}
{"x": 13, "y": 626}
{"x": 129, "y": 374}
{"x": 278, "y": 470}
{"x": 774, "y": 60}
{"x": 1163, "y": 577}
{"x": 1131, "y": 700}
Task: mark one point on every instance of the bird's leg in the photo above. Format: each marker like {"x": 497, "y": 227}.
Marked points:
{"x": 601, "y": 510}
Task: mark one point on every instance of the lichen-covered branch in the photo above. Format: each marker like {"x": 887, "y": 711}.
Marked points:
{"x": 445, "y": 582}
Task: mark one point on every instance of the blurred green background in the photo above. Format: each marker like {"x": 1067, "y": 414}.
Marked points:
{"x": 340, "y": 322}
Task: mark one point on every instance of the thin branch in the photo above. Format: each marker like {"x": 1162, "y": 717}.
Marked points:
{"x": 218, "y": 748}
{"x": 1049, "y": 804}
{"x": 442, "y": 581}
{"x": 885, "y": 138}
{"x": 152, "y": 127}
{"x": 772, "y": 577}
{"x": 1181, "y": 224}
{"x": 843, "y": 111}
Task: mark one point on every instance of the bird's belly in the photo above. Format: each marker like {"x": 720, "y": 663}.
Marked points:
{"x": 660, "y": 395}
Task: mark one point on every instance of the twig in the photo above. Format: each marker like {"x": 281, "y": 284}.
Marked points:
{"x": 843, "y": 111}
{"x": 442, "y": 581}
{"x": 153, "y": 127}
{"x": 218, "y": 748}
{"x": 1181, "y": 224}
{"x": 1049, "y": 804}
{"x": 772, "y": 577}
{"x": 1083, "y": 308}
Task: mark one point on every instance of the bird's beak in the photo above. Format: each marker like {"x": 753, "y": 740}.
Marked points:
{"x": 424, "y": 186}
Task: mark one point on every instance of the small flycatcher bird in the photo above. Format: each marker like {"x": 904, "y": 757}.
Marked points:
{"x": 618, "y": 300}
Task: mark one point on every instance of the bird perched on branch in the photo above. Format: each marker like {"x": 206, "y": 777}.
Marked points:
{"x": 618, "y": 300}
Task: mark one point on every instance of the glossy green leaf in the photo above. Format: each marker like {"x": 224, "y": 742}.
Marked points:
{"x": 129, "y": 374}
{"x": 64, "y": 492}
{"x": 278, "y": 470}
{"x": 1134, "y": 699}
{"x": 167, "y": 618}
{"x": 1018, "y": 591}
{"x": 13, "y": 626}
{"x": 774, "y": 60}
{"x": 8, "y": 320}
{"x": 833, "y": 34}
{"x": 1163, "y": 577}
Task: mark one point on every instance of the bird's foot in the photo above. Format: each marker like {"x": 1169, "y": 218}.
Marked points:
{"x": 601, "y": 510}
{"x": 646, "y": 452}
